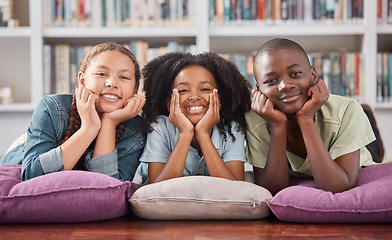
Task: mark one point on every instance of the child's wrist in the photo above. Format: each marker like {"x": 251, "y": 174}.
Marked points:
{"x": 186, "y": 135}
{"x": 89, "y": 131}
{"x": 201, "y": 134}
{"x": 305, "y": 121}
{"x": 108, "y": 122}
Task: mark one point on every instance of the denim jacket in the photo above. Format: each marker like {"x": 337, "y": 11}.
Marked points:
{"x": 48, "y": 126}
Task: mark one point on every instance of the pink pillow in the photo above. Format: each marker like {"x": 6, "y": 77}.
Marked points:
{"x": 66, "y": 196}
{"x": 369, "y": 202}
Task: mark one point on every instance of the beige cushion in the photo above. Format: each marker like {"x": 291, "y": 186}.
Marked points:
{"x": 21, "y": 139}
{"x": 200, "y": 197}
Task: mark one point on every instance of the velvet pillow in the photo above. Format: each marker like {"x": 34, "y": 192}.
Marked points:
{"x": 369, "y": 202}
{"x": 200, "y": 197}
{"x": 66, "y": 196}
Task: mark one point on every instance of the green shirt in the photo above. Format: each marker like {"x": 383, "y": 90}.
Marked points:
{"x": 342, "y": 124}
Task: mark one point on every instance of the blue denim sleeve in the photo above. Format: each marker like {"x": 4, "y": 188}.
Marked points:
{"x": 41, "y": 153}
{"x": 106, "y": 164}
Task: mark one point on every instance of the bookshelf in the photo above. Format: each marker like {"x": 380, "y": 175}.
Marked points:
{"x": 22, "y": 49}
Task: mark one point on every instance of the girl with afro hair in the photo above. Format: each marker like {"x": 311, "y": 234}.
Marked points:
{"x": 194, "y": 116}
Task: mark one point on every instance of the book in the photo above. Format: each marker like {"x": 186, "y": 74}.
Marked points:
{"x": 326, "y": 70}
{"x": 211, "y": 9}
{"x": 379, "y": 77}
{"x": 385, "y": 78}
{"x": 253, "y": 9}
{"x": 110, "y": 13}
{"x": 336, "y": 81}
{"x": 260, "y": 9}
{"x": 226, "y": 10}
{"x": 245, "y": 7}
{"x": 390, "y": 74}
{"x": 357, "y": 75}
{"x": 277, "y": 9}
{"x": 73, "y": 68}
{"x": 96, "y": 14}
{"x": 233, "y": 13}
{"x": 284, "y": 9}
{"x": 62, "y": 68}
{"x": 219, "y": 11}
{"x": 47, "y": 73}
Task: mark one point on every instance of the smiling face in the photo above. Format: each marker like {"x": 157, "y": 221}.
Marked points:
{"x": 285, "y": 76}
{"x": 110, "y": 75}
{"x": 194, "y": 84}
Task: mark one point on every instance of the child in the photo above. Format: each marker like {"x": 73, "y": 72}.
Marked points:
{"x": 195, "y": 117}
{"x": 297, "y": 128}
{"x": 96, "y": 128}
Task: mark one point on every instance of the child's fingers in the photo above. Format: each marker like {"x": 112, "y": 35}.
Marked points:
{"x": 176, "y": 101}
{"x": 218, "y": 104}
{"x": 91, "y": 99}
{"x": 323, "y": 88}
{"x": 269, "y": 105}
{"x": 139, "y": 103}
{"x": 137, "y": 100}
{"x": 175, "y": 104}
{"x": 319, "y": 91}
{"x": 171, "y": 104}
{"x": 259, "y": 98}
{"x": 79, "y": 93}
{"x": 215, "y": 100}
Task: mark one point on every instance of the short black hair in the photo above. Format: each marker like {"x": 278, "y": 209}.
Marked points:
{"x": 276, "y": 44}
{"x": 233, "y": 88}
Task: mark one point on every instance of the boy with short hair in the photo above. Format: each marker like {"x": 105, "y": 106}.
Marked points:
{"x": 298, "y": 129}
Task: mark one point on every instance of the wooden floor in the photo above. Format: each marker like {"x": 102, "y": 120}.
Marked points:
{"x": 131, "y": 227}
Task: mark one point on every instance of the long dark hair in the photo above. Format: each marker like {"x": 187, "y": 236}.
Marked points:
{"x": 74, "y": 118}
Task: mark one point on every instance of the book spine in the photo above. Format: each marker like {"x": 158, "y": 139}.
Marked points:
{"x": 389, "y": 78}
{"x": 260, "y": 9}
{"x": 73, "y": 68}
{"x": 226, "y": 10}
{"x": 253, "y": 9}
{"x": 220, "y": 11}
{"x": 245, "y": 10}
{"x": 211, "y": 10}
{"x": 47, "y": 69}
{"x": 277, "y": 9}
{"x": 62, "y": 68}
{"x": 385, "y": 77}
{"x": 284, "y": 9}
{"x": 379, "y": 77}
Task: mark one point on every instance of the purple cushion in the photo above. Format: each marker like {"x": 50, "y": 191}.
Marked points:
{"x": 369, "y": 202}
{"x": 66, "y": 196}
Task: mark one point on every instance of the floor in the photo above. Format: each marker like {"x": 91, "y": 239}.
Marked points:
{"x": 131, "y": 227}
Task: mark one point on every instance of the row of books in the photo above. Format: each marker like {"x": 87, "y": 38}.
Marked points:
{"x": 384, "y": 76}
{"x": 112, "y": 13}
{"x": 384, "y": 11}
{"x": 61, "y": 61}
{"x": 341, "y": 71}
{"x": 244, "y": 63}
{"x": 275, "y": 11}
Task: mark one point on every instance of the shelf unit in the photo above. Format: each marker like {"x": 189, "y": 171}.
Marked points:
{"x": 236, "y": 38}
{"x": 22, "y": 47}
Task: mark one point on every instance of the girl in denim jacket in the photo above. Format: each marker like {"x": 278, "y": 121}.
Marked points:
{"x": 96, "y": 129}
